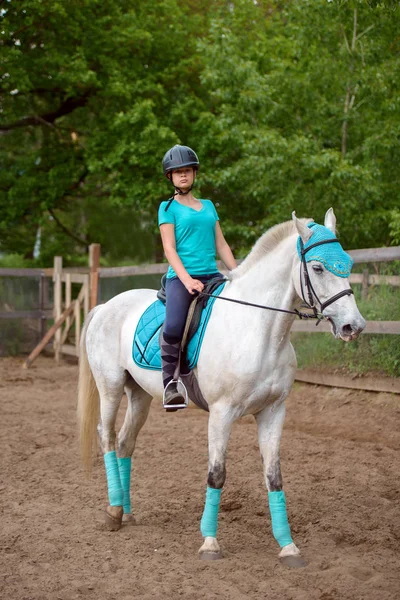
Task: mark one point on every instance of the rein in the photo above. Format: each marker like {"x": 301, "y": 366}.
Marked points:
{"x": 310, "y": 291}
{"x": 291, "y": 312}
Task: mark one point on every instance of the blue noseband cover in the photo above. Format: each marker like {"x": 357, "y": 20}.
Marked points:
{"x": 332, "y": 256}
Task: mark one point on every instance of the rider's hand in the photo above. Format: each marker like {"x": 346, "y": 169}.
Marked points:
{"x": 193, "y": 285}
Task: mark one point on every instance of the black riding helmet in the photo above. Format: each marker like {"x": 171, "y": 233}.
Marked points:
{"x": 178, "y": 157}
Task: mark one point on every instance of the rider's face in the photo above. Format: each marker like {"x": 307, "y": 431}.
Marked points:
{"x": 183, "y": 178}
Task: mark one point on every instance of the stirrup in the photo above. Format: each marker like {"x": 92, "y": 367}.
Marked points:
{"x": 181, "y": 388}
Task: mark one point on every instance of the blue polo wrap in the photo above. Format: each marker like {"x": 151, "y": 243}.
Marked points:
{"x": 279, "y": 519}
{"x": 209, "y": 520}
{"x": 115, "y": 491}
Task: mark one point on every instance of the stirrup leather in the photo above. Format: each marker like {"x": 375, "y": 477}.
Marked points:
{"x": 182, "y": 391}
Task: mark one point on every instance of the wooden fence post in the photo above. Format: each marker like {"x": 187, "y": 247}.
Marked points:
{"x": 68, "y": 297}
{"x": 57, "y": 278}
{"x": 94, "y": 264}
{"x": 86, "y": 297}
{"x": 364, "y": 285}
{"x": 77, "y": 312}
{"x": 43, "y": 301}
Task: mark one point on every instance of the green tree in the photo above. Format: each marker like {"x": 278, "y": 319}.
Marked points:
{"x": 305, "y": 115}
{"x": 290, "y": 105}
{"x": 92, "y": 93}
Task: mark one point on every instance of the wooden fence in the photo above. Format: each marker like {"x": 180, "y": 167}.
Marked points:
{"x": 366, "y": 279}
{"x": 68, "y": 311}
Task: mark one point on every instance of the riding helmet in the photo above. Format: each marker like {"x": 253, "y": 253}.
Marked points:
{"x": 178, "y": 157}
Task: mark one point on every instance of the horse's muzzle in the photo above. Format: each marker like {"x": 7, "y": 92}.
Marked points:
{"x": 348, "y": 332}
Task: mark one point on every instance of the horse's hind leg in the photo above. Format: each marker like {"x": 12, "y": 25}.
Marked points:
{"x": 138, "y": 409}
{"x": 270, "y": 424}
{"x": 110, "y": 392}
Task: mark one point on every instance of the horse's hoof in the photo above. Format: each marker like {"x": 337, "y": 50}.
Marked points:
{"x": 294, "y": 561}
{"x": 128, "y": 519}
{"x": 113, "y": 518}
{"x": 210, "y": 555}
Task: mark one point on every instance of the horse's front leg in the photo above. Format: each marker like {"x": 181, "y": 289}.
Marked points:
{"x": 219, "y": 428}
{"x": 270, "y": 424}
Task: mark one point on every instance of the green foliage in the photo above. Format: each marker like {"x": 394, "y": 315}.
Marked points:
{"x": 370, "y": 353}
{"x": 303, "y": 117}
{"x": 394, "y": 226}
{"x": 102, "y": 78}
{"x": 13, "y": 261}
{"x": 290, "y": 106}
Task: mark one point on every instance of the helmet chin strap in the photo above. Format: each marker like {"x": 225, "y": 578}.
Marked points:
{"x": 181, "y": 192}
{"x": 177, "y": 192}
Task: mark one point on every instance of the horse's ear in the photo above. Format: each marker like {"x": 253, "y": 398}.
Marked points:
{"x": 330, "y": 220}
{"x": 304, "y": 232}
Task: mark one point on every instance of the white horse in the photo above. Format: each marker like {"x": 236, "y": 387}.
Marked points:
{"x": 247, "y": 365}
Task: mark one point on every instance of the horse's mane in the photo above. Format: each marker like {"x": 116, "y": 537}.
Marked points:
{"x": 265, "y": 244}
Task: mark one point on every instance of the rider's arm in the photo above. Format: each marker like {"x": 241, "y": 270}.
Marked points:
{"x": 223, "y": 249}
{"x": 167, "y": 231}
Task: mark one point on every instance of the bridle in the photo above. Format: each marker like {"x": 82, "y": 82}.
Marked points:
{"x": 311, "y": 294}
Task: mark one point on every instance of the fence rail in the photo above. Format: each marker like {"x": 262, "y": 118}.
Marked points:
{"x": 375, "y": 327}
{"x": 370, "y": 255}
{"x": 26, "y": 314}
{"x": 89, "y": 277}
{"x": 367, "y": 255}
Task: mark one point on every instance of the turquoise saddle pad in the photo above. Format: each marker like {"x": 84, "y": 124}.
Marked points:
{"x": 146, "y": 351}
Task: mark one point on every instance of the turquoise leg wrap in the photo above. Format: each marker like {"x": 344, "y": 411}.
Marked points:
{"x": 209, "y": 520}
{"x": 280, "y": 523}
{"x": 115, "y": 493}
{"x": 124, "y": 466}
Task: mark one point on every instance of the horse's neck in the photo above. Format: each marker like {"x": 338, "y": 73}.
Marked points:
{"x": 269, "y": 283}
{"x": 269, "y": 280}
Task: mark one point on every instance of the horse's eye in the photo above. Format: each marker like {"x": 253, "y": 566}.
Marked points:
{"x": 317, "y": 269}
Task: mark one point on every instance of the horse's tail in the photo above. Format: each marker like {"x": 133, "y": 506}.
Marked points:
{"x": 88, "y": 402}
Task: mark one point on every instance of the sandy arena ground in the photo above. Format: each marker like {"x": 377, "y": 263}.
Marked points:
{"x": 341, "y": 467}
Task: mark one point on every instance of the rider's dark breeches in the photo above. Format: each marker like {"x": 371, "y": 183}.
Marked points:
{"x": 178, "y": 301}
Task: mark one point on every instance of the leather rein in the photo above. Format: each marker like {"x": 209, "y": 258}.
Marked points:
{"x": 309, "y": 288}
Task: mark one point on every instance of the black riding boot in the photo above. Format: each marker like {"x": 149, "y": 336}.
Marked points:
{"x": 170, "y": 348}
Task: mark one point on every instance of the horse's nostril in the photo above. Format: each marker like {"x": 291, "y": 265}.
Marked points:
{"x": 347, "y": 329}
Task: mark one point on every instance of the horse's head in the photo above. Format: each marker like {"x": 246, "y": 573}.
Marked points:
{"x": 321, "y": 277}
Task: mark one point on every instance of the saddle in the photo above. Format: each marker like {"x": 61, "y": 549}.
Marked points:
{"x": 196, "y": 308}
{"x": 146, "y": 346}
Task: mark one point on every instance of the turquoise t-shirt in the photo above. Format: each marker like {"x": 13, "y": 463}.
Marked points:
{"x": 194, "y": 236}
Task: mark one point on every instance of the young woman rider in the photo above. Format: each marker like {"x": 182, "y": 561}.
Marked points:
{"x": 191, "y": 237}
